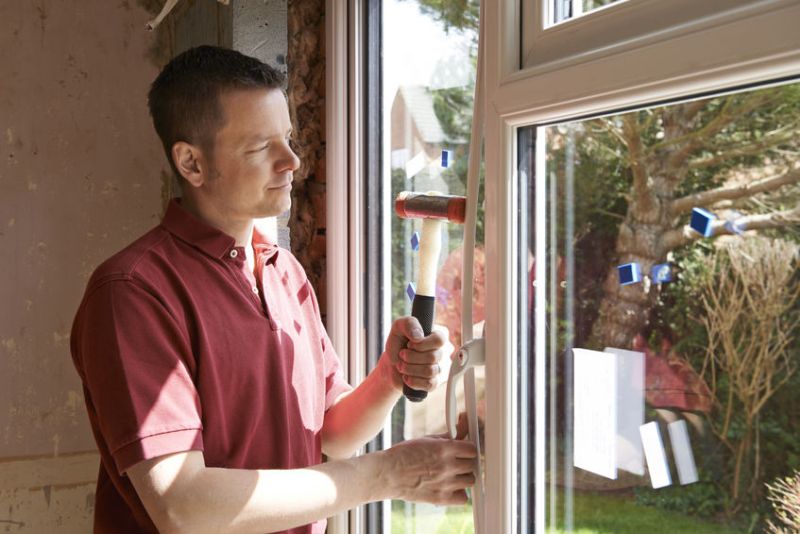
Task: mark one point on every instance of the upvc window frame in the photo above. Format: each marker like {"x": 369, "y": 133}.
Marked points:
{"x": 593, "y": 80}
{"x": 353, "y": 212}
{"x": 755, "y": 44}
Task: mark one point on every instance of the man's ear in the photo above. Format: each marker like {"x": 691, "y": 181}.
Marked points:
{"x": 188, "y": 161}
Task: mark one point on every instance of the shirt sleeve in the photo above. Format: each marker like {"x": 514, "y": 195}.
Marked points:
{"x": 335, "y": 384}
{"x": 137, "y": 368}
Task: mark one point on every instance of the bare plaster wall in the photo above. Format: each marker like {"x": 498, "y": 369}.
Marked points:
{"x": 260, "y": 30}
{"x": 80, "y": 177}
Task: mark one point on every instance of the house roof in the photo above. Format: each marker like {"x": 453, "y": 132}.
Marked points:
{"x": 419, "y": 103}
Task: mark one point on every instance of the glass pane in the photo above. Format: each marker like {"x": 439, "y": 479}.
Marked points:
{"x": 571, "y": 9}
{"x": 669, "y": 239}
{"x": 428, "y": 83}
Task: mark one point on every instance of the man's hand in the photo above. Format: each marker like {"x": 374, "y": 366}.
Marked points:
{"x": 433, "y": 469}
{"x": 412, "y": 358}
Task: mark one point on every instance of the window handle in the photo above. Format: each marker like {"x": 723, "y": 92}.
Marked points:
{"x": 471, "y": 354}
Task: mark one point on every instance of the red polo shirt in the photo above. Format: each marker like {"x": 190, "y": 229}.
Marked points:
{"x": 179, "y": 351}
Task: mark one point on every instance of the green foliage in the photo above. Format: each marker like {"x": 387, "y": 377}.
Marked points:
{"x": 762, "y": 132}
{"x": 622, "y": 514}
{"x": 780, "y": 420}
{"x": 600, "y": 181}
{"x": 453, "y": 14}
{"x": 453, "y": 108}
{"x": 702, "y": 499}
{"x": 678, "y": 306}
{"x": 677, "y": 314}
{"x": 593, "y": 514}
{"x": 400, "y": 303}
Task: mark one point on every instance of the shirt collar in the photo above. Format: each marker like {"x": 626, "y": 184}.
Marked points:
{"x": 263, "y": 244}
{"x": 211, "y": 240}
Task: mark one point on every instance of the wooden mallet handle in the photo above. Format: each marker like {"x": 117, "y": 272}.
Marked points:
{"x": 433, "y": 208}
{"x": 424, "y": 303}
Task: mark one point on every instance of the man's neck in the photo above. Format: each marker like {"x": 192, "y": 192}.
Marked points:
{"x": 239, "y": 229}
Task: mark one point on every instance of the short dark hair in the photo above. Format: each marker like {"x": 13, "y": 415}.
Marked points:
{"x": 184, "y": 99}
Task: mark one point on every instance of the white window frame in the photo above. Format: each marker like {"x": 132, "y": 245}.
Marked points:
{"x": 753, "y": 44}
{"x": 345, "y": 247}
{"x": 626, "y": 23}
{"x": 345, "y": 209}
{"x": 757, "y": 43}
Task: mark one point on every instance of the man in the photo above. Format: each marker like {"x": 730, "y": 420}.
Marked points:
{"x": 210, "y": 383}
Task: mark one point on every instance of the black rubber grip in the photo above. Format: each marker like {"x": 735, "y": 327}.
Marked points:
{"x": 422, "y": 308}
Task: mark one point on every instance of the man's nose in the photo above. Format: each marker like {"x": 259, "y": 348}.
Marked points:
{"x": 289, "y": 162}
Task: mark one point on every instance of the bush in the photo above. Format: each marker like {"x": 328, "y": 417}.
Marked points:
{"x": 785, "y": 497}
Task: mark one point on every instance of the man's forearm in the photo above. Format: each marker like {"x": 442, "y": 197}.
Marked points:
{"x": 359, "y": 416}
{"x": 237, "y": 500}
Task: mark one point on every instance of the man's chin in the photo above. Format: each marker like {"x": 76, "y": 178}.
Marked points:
{"x": 274, "y": 211}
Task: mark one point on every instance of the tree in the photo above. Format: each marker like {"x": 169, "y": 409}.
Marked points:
{"x": 715, "y": 154}
{"x": 453, "y": 14}
{"x": 720, "y": 153}
{"x": 748, "y": 290}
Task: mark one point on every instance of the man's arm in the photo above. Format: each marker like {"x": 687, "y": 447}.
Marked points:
{"x": 358, "y": 416}
{"x": 181, "y": 494}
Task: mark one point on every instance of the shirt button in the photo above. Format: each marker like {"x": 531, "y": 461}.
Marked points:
{"x": 255, "y": 290}
{"x": 234, "y": 253}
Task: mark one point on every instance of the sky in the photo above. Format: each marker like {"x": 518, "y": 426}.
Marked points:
{"x": 414, "y": 44}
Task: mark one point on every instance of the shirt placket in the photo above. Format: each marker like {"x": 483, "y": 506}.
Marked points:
{"x": 236, "y": 256}
{"x": 260, "y": 278}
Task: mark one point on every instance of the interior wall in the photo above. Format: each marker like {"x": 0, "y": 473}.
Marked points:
{"x": 81, "y": 175}
{"x": 306, "y": 91}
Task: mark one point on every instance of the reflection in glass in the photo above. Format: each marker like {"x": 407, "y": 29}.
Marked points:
{"x": 571, "y": 9}
{"x": 671, "y": 237}
{"x": 429, "y": 52}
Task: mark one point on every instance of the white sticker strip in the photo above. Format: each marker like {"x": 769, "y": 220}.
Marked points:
{"x": 655, "y": 456}
{"x": 630, "y": 409}
{"x": 415, "y": 165}
{"x": 682, "y": 450}
{"x": 595, "y": 412}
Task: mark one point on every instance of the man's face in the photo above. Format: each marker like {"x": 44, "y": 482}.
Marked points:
{"x": 251, "y": 165}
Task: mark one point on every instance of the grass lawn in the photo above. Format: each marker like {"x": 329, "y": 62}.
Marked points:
{"x": 595, "y": 513}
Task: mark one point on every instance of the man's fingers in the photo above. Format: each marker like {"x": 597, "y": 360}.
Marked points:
{"x": 420, "y": 358}
{"x": 464, "y": 466}
{"x": 455, "y": 498}
{"x": 403, "y": 330}
{"x": 444, "y": 497}
{"x": 466, "y": 480}
{"x": 463, "y": 449}
{"x": 407, "y": 328}
{"x": 419, "y": 371}
{"x": 421, "y": 384}
{"x": 434, "y": 340}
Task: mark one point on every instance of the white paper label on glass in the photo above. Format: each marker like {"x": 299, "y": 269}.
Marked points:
{"x": 655, "y": 455}
{"x": 595, "y": 412}
{"x": 630, "y": 409}
{"x": 682, "y": 450}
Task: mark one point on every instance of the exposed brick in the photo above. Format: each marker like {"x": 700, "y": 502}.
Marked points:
{"x": 306, "y": 82}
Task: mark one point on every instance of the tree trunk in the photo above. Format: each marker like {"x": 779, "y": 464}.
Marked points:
{"x": 625, "y": 310}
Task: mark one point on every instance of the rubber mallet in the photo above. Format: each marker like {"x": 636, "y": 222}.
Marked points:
{"x": 434, "y": 209}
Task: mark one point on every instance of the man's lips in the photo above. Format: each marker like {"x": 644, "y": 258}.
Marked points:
{"x": 283, "y": 185}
